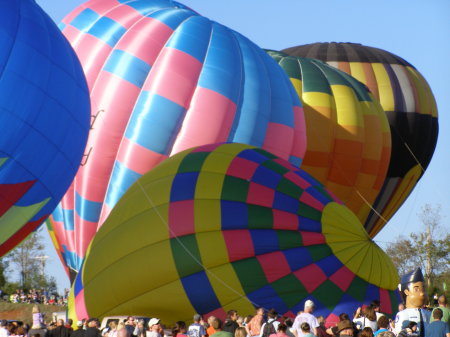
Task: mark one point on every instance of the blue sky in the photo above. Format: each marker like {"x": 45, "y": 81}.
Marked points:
{"x": 415, "y": 30}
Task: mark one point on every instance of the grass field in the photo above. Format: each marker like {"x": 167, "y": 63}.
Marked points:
{"x": 22, "y": 311}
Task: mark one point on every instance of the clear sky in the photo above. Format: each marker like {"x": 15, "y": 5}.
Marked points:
{"x": 416, "y": 30}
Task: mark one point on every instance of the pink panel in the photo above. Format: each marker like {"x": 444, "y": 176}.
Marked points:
{"x": 311, "y": 277}
{"x": 219, "y": 313}
{"x": 106, "y": 210}
{"x": 260, "y": 195}
{"x": 331, "y": 320}
{"x": 84, "y": 232}
{"x": 289, "y": 314}
{"x": 342, "y": 278}
{"x": 74, "y": 14}
{"x": 285, "y": 164}
{"x": 239, "y": 244}
{"x": 138, "y": 158}
{"x": 309, "y": 200}
{"x": 274, "y": 265}
{"x": 80, "y": 306}
{"x": 284, "y": 220}
{"x": 300, "y": 141}
{"x": 311, "y": 238}
{"x": 116, "y": 98}
{"x": 208, "y": 120}
{"x": 296, "y": 179}
{"x": 147, "y": 49}
{"x": 279, "y": 139}
{"x": 124, "y": 15}
{"x": 174, "y": 76}
{"x": 242, "y": 168}
{"x": 385, "y": 302}
{"x": 181, "y": 218}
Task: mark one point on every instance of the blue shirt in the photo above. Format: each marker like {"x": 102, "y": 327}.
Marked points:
{"x": 437, "y": 329}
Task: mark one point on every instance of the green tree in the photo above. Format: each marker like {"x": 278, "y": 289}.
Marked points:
{"x": 428, "y": 249}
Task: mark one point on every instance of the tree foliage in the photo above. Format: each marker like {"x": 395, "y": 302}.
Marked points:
{"x": 428, "y": 249}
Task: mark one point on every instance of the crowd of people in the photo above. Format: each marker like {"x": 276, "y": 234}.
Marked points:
{"x": 367, "y": 321}
{"x": 35, "y": 296}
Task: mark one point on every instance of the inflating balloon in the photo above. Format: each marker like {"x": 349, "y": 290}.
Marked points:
{"x": 349, "y": 141}
{"x": 409, "y": 105}
{"x": 163, "y": 79}
{"x": 230, "y": 226}
{"x": 45, "y": 113}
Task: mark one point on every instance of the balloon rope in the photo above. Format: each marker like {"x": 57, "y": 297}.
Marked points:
{"x": 188, "y": 251}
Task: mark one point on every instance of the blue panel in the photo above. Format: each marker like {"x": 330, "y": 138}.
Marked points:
{"x": 317, "y": 194}
{"x": 298, "y": 258}
{"x": 172, "y": 17}
{"x": 103, "y": 28}
{"x": 121, "y": 180}
{"x": 347, "y": 304}
{"x": 192, "y": 37}
{"x": 234, "y": 215}
{"x": 309, "y": 225}
{"x": 264, "y": 241}
{"x": 329, "y": 265}
{"x": 372, "y": 293}
{"x": 86, "y": 209}
{"x": 309, "y": 178}
{"x": 58, "y": 214}
{"x": 200, "y": 293}
{"x": 69, "y": 215}
{"x": 183, "y": 186}
{"x": 146, "y": 7}
{"x": 70, "y": 258}
{"x": 266, "y": 177}
{"x": 159, "y": 117}
{"x": 266, "y": 297}
{"x": 253, "y": 156}
{"x": 286, "y": 203}
{"x": 128, "y": 67}
{"x": 296, "y": 161}
{"x": 62, "y": 26}
{"x": 222, "y": 68}
{"x": 78, "y": 286}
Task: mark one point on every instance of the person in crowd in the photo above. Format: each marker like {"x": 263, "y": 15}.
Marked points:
{"x": 366, "y": 317}
{"x": 3, "y": 331}
{"x": 179, "y": 330}
{"x": 140, "y": 330}
{"x": 306, "y": 330}
{"x": 289, "y": 330}
{"x": 321, "y": 330}
{"x": 366, "y": 332}
{"x": 240, "y": 321}
{"x": 437, "y": 328}
{"x": 155, "y": 329}
{"x": 79, "y": 332}
{"x": 240, "y": 332}
{"x": 60, "y": 330}
{"x": 254, "y": 326}
{"x": 308, "y": 317}
{"x": 281, "y": 331}
{"x": 19, "y": 331}
{"x": 383, "y": 325}
{"x": 123, "y": 333}
{"x": 230, "y": 324}
{"x": 375, "y": 304}
{"x": 210, "y": 330}
{"x": 443, "y": 306}
{"x": 196, "y": 329}
{"x": 247, "y": 320}
{"x": 409, "y": 329}
{"x": 92, "y": 329}
{"x": 345, "y": 328}
{"x": 130, "y": 325}
{"x": 112, "y": 332}
{"x": 38, "y": 318}
{"x": 217, "y": 325}
{"x": 271, "y": 326}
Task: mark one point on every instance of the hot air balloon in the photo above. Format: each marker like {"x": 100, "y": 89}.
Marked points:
{"x": 162, "y": 79}
{"x": 230, "y": 226}
{"x": 349, "y": 142}
{"x": 410, "y": 108}
{"x": 45, "y": 113}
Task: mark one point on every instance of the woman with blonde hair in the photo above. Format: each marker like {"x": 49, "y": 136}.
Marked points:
{"x": 240, "y": 332}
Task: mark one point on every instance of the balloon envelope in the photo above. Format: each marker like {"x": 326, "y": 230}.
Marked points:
{"x": 44, "y": 103}
{"x": 349, "y": 141}
{"x": 230, "y": 226}
{"x": 410, "y": 108}
{"x": 162, "y": 79}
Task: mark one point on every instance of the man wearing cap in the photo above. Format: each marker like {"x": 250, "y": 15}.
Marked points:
{"x": 155, "y": 328}
{"x": 307, "y": 317}
{"x": 412, "y": 289}
{"x": 196, "y": 329}
{"x": 79, "y": 332}
{"x": 345, "y": 328}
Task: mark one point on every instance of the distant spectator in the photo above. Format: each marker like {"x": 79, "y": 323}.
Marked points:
{"x": 437, "y": 328}
{"x": 217, "y": 325}
{"x": 196, "y": 329}
{"x": 79, "y": 332}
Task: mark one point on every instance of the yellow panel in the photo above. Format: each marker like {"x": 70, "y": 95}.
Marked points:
{"x": 319, "y": 99}
{"x": 384, "y": 87}
{"x": 320, "y": 129}
{"x": 219, "y": 160}
{"x": 213, "y": 249}
{"x": 357, "y": 71}
{"x": 207, "y": 215}
{"x": 426, "y": 99}
{"x": 346, "y": 106}
{"x": 352, "y": 246}
{"x": 298, "y": 86}
{"x": 209, "y": 185}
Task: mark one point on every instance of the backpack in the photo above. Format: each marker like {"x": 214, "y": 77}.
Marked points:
{"x": 268, "y": 329}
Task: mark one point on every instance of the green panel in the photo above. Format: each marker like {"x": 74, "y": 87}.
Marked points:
{"x": 289, "y": 188}
{"x": 250, "y": 273}
{"x": 259, "y": 217}
{"x": 280, "y": 169}
{"x": 193, "y": 162}
{"x": 264, "y": 153}
{"x": 289, "y": 239}
{"x": 319, "y": 252}
{"x": 309, "y": 212}
{"x": 291, "y": 67}
{"x": 329, "y": 294}
{"x": 186, "y": 255}
{"x": 290, "y": 290}
{"x": 313, "y": 78}
{"x": 235, "y": 189}
{"x": 394, "y": 302}
{"x": 357, "y": 289}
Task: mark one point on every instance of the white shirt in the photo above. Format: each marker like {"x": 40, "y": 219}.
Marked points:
{"x": 407, "y": 315}
{"x": 4, "y": 332}
{"x": 305, "y": 317}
